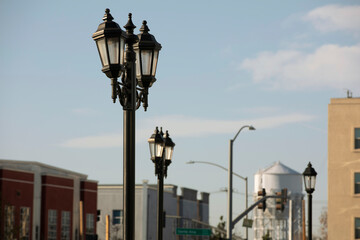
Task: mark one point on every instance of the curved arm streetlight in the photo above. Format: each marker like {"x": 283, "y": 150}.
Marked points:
{"x": 219, "y": 166}
{"x": 229, "y": 216}
{"x": 235, "y": 174}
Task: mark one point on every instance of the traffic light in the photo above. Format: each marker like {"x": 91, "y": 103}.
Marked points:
{"x": 261, "y": 194}
{"x": 279, "y": 202}
{"x": 281, "y": 199}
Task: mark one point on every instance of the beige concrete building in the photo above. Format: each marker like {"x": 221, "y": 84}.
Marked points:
{"x": 344, "y": 169}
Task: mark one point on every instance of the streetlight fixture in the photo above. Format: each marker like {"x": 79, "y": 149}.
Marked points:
{"x": 133, "y": 58}
{"x": 309, "y": 181}
{"x": 229, "y": 216}
{"x": 161, "y": 150}
{"x": 235, "y": 174}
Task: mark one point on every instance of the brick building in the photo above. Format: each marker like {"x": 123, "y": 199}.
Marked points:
{"x": 39, "y": 201}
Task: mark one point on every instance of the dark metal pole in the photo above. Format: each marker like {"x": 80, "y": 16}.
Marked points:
{"x": 160, "y": 202}
{"x": 129, "y": 137}
{"x": 309, "y": 216}
{"x": 230, "y": 188}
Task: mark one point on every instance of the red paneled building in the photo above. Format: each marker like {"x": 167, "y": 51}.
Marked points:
{"x": 39, "y": 201}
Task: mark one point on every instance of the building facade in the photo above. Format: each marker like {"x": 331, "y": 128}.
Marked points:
{"x": 181, "y": 211}
{"x": 285, "y": 224}
{"x": 344, "y": 168}
{"x": 39, "y": 201}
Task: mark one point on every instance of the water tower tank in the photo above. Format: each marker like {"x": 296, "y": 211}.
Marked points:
{"x": 282, "y": 225}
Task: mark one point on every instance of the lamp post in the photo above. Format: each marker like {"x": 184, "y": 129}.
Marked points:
{"x": 229, "y": 216}
{"x": 161, "y": 149}
{"x": 235, "y": 174}
{"x": 134, "y": 59}
{"x": 309, "y": 181}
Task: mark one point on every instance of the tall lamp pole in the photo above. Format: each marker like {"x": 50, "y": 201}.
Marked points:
{"x": 133, "y": 58}
{"x": 309, "y": 181}
{"x": 230, "y": 188}
{"x": 161, "y": 150}
{"x": 235, "y": 174}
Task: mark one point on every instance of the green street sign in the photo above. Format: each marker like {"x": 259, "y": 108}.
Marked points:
{"x": 193, "y": 231}
{"x": 247, "y": 223}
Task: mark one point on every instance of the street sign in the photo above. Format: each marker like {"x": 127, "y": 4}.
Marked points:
{"x": 193, "y": 231}
{"x": 247, "y": 223}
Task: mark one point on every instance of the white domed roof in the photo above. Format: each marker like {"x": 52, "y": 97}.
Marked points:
{"x": 279, "y": 168}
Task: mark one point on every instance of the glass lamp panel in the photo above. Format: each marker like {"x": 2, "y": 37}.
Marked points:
{"x": 152, "y": 149}
{"x": 159, "y": 149}
{"x": 137, "y": 63}
{"x": 122, "y": 50}
{"x": 102, "y": 51}
{"x": 114, "y": 49}
{"x": 307, "y": 182}
{"x": 168, "y": 153}
{"x": 156, "y": 55}
{"x": 146, "y": 57}
{"x": 313, "y": 181}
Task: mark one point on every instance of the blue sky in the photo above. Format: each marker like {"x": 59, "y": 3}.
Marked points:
{"x": 272, "y": 64}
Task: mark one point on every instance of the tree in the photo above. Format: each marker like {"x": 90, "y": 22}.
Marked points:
{"x": 267, "y": 236}
{"x": 323, "y": 224}
{"x": 218, "y": 235}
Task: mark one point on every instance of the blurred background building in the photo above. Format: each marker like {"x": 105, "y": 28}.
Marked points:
{"x": 344, "y": 168}
{"x": 181, "y": 211}
{"x": 40, "y": 201}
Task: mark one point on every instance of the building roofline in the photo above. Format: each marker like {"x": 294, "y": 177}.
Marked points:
{"x": 8, "y": 161}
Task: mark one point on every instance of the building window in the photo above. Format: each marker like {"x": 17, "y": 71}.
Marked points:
{"x": 65, "y": 225}
{"x": 52, "y": 219}
{"x": 9, "y": 215}
{"x": 90, "y": 224}
{"x": 24, "y": 223}
{"x": 357, "y": 138}
{"x": 357, "y": 228}
{"x": 357, "y": 182}
{"x": 117, "y": 216}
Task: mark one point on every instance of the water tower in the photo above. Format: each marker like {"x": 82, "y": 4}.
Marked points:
{"x": 281, "y": 225}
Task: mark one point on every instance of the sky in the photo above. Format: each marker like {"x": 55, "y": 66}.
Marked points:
{"x": 271, "y": 64}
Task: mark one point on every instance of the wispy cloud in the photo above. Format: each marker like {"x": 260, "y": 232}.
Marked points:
{"x": 100, "y": 141}
{"x": 184, "y": 126}
{"x": 335, "y": 17}
{"x": 329, "y": 66}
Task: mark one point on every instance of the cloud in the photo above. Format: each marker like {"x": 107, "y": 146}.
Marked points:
{"x": 101, "y": 141}
{"x": 183, "y": 126}
{"x": 335, "y": 17}
{"x": 329, "y": 66}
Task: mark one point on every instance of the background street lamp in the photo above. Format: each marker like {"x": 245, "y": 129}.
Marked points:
{"x": 136, "y": 64}
{"x": 229, "y": 216}
{"x": 235, "y": 174}
{"x": 161, "y": 150}
{"x": 309, "y": 181}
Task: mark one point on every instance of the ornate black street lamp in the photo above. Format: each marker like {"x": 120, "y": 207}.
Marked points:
{"x": 133, "y": 58}
{"x": 161, "y": 150}
{"x": 309, "y": 181}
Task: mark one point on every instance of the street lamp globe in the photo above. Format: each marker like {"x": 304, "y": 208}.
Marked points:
{"x": 110, "y": 42}
{"x": 156, "y": 144}
{"x": 309, "y": 178}
{"x": 147, "y": 53}
{"x": 169, "y": 147}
